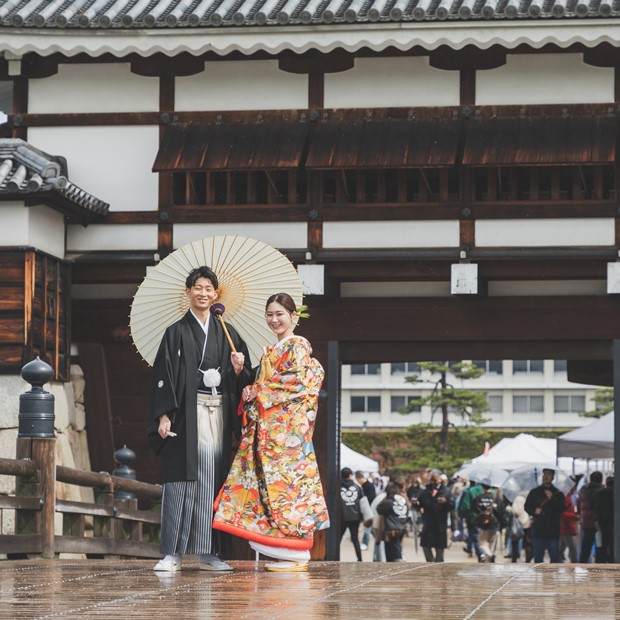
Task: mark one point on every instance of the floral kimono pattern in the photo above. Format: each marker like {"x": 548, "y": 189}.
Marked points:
{"x": 273, "y": 493}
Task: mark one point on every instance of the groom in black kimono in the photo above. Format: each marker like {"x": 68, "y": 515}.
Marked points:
{"x": 197, "y": 383}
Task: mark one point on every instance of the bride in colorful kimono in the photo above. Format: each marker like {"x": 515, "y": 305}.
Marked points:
{"x": 273, "y": 495}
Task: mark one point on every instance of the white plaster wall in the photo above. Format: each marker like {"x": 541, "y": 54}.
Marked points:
{"x": 104, "y": 87}
{"x": 544, "y": 78}
{"x": 395, "y": 289}
{"x": 111, "y": 237}
{"x": 112, "y": 163}
{"x": 242, "y": 85}
{"x": 13, "y": 224}
{"x": 396, "y": 234}
{"x": 541, "y": 233}
{"x": 279, "y": 235}
{"x": 39, "y": 227}
{"x": 47, "y": 230}
{"x": 391, "y": 82}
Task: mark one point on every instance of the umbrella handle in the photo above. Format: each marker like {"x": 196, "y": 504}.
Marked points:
{"x": 230, "y": 342}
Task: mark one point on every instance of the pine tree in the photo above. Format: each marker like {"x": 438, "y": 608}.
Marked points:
{"x": 603, "y": 403}
{"x": 448, "y": 399}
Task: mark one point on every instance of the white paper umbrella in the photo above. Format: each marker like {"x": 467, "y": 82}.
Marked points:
{"x": 490, "y": 475}
{"x": 248, "y": 270}
{"x": 524, "y": 479}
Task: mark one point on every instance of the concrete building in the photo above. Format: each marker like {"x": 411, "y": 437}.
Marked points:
{"x": 521, "y": 394}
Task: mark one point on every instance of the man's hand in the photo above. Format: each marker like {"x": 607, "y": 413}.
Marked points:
{"x": 237, "y": 360}
{"x": 164, "y": 427}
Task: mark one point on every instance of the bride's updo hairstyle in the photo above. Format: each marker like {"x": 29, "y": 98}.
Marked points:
{"x": 285, "y": 300}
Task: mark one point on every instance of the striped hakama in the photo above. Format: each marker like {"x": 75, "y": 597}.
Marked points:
{"x": 187, "y": 506}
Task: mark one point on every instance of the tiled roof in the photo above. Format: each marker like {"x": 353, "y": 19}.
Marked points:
{"x": 170, "y": 14}
{"x": 26, "y": 172}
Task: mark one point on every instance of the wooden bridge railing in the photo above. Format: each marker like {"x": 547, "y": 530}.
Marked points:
{"x": 119, "y": 526}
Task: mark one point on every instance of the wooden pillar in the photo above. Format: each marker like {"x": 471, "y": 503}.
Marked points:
{"x": 43, "y": 452}
{"x": 616, "y": 359}
{"x": 332, "y": 491}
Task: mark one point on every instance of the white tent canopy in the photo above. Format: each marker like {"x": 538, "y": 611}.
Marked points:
{"x": 356, "y": 461}
{"x": 525, "y": 449}
{"x": 594, "y": 441}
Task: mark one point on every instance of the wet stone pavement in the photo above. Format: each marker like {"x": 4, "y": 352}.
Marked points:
{"x": 357, "y": 590}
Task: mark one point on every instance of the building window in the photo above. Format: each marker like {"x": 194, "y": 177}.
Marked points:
{"x": 398, "y": 402}
{"x": 559, "y": 366}
{"x": 569, "y": 404}
{"x": 405, "y": 368}
{"x": 365, "y": 404}
{"x": 496, "y": 404}
{"x": 528, "y": 404}
{"x": 527, "y": 366}
{"x": 365, "y": 369}
{"x": 490, "y": 367}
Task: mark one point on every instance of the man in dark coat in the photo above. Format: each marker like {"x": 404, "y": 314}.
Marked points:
{"x": 603, "y": 505}
{"x": 196, "y": 387}
{"x": 588, "y": 517}
{"x": 545, "y": 504}
{"x": 436, "y": 503}
{"x": 350, "y": 510}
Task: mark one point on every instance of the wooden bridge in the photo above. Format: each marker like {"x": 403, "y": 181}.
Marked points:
{"x": 111, "y": 525}
{"x": 131, "y": 589}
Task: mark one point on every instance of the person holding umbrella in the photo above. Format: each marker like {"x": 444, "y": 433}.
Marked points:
{"x": 545, "y": 504}
{"x": 199, "y": 372}
{"x": 273, "y": 495}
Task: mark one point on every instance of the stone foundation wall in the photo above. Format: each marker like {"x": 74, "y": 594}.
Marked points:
{"x": 71, "y": 437}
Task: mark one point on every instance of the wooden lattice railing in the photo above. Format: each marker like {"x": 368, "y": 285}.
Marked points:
{"x": 119, "y": 526}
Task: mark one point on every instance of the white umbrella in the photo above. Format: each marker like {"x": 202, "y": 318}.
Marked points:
{"x": 491, "y": 475}
{"x": 248, "y": 270}
{"x": 524, "y": 479}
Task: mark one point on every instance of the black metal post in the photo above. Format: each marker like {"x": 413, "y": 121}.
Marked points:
{"x": 332, "y": 551}
{"x": 616, "y": 361}
{"x": 123, "y": 457}
{"x": 36, "y": 406}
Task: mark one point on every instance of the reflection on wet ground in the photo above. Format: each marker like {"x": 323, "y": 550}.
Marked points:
{"x": 130, "y": 589}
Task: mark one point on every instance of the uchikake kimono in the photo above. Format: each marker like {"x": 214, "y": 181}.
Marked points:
{"x": 273, "y": 493}
{"x": 174, "y": 393}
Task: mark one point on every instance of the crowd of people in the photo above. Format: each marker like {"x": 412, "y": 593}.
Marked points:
{"x": 540, "y": 524}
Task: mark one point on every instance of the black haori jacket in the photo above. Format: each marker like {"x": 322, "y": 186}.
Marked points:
{"x": 174, "y": 392}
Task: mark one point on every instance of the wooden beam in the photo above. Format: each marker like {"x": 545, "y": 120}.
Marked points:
{"x": 295, "y": 115}
{"x": 578, "y": 318}
{"x": 20, "y": 107}
{"x": 83, "y": 119}
{"x": 467, "y": 236}
{"x": 467, "y": 81}
{"x": 416, "y": 351}
{"x": 448, "y": 210}
{"x": 316, "y": 89}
